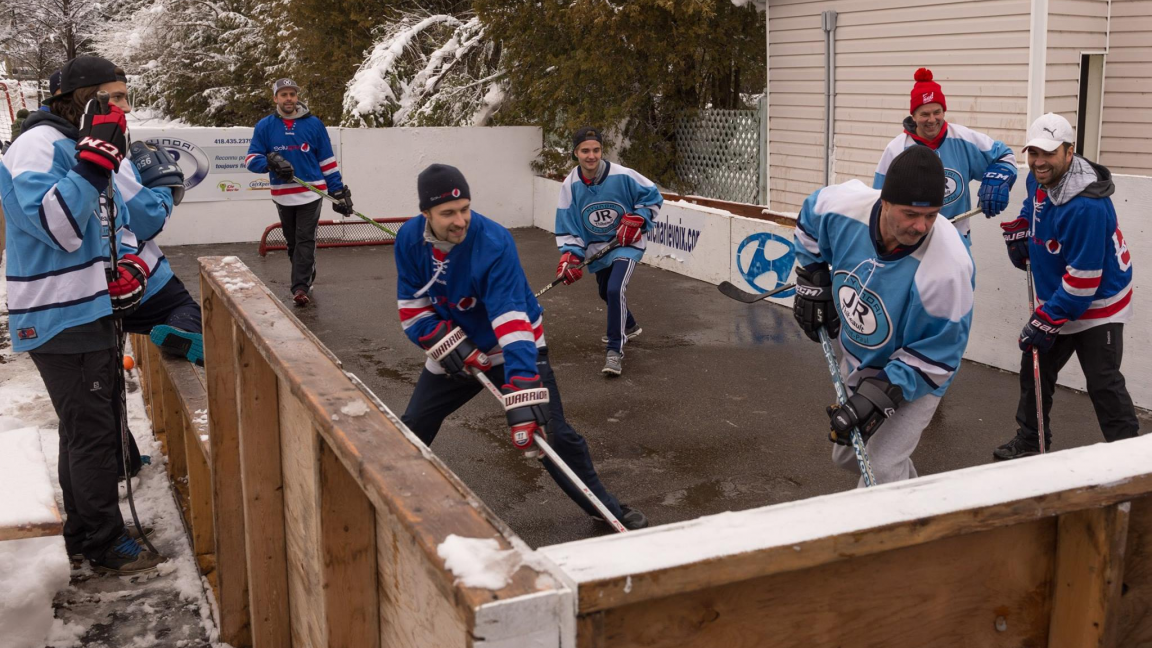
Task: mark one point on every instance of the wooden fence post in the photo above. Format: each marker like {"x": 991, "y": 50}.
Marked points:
{"x": 1090, "y": 547}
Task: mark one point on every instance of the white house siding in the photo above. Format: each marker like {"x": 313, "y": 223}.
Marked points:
{"x": 1126, "y": 131}
{"x": 1074, "y": 27}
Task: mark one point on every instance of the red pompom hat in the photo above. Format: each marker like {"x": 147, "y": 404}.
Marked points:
{"x": 926, "y": 91}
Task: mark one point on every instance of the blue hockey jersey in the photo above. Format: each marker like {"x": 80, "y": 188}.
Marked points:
{"x": 148, "y": 213}
{"x": 906, "y": 314}
{"x": 57, "y": 235}
{"x": 1080, "y": 262}
{"x": 304, "y": 142}
{"x": 588, "y": 213}
{"x": 966, "y": 155}
{"x": 478, "y": 284}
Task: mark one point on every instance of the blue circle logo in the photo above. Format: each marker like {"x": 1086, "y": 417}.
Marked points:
{"x": 602, "y": 216}
{"x": 765, "y": 260}
{"x": 954, "y": 186}
{"x": 865, "y": 320}
{"x": 193, "y": 161}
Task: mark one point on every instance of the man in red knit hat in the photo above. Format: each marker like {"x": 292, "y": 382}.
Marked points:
{"x": 967, "y": 154}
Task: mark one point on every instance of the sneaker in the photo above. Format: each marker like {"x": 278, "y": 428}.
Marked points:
{"x": 1018, "y": 447}
{"x": 301, "y": 298}
{"x": 629, "y": 334}
{"x": 613, "y": 364}
{"x": 127, "y": 558}
{"x": 179, "y": 342}
{"x": 631, "y": 518}
{"x": 77, "y": 557}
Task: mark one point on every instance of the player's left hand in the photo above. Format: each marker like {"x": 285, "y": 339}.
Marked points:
{"x": 526, "y": 405}
{"x": 569, "y": 268}
{"x": 630, "y": 230}
{"x": 996, "y": 187}
{"x": 126, "y": 289}
{"x": 344, "y": 195}
{"x": 1040, "y": 331}
{"x": 873, "y": 403}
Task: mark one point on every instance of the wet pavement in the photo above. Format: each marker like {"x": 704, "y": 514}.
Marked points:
{"x": 721, "y": 405}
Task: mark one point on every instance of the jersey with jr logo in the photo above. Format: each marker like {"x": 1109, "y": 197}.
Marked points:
{"x": 588, "y": 214}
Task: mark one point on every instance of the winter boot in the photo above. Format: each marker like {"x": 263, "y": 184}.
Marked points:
{"x": 1019, "y": 446}
{"x": 613, "y": 364}
{"x": 127, "y": 558}
{"x": 629, "y": 334}
{"x": 77, "y": 557}
{"x": 179, "y": 342}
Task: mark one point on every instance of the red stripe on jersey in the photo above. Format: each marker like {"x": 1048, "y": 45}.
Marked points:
{"x": 1082, "y": 283}
{"x": 1109, "y": 310}
{"x": 512, "y": 326}
{"x": 295, "y": 190}
{"x": 328, "y": 167}
{"x": 538, "y": 331}
{"x": 408, "y": 313}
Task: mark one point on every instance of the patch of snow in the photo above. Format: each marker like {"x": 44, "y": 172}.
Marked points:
{"x": 31, "y": 572}
{"x": 231, "y": 260}
{"x": 479, "y": 562}
{"x": 28, "y": 497}
{"x": 355, "y": 408}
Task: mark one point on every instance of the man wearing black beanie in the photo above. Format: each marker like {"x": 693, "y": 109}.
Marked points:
{"x": 893, "y": 282}
{"x": 465, "y": 301}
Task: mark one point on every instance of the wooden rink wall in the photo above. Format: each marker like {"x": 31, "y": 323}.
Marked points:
{"x": 316, "y": 517}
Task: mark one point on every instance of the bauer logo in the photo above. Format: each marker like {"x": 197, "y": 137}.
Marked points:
{"x": 953, "y": 186}
{"x": 861, "y": 310}
{"x": 602, "y": 216}
{"x": 765, "y": 260}
{"x": 192, "y": 160}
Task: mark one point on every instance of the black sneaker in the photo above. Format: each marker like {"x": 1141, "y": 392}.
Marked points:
{"x": 631, "y": 518}
{"x": 1018, "y": 447}
{"x": 127, "y": 558}
{"x": 77, "y": 557}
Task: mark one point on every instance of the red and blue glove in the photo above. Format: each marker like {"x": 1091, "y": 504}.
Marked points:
{"x": 457, "y": 355}
{"x": 126, "y": 287}
{"x": 1016, "y": 238}
{"x": 1040, "y": 331}
{"x": 102, "y": 136}
{"x": 569, "y": 268}
{"x": 630, "y": 230}
{"x": 526, "y": 406}
{"x": 996, "y": 187}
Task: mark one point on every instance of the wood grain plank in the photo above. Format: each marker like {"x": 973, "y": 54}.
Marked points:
{"x": 1134, "y": 627}
{"x": 199, "y": 492}
{"x": 1089, "y": 570}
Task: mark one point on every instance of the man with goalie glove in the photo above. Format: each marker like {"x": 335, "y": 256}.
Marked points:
{"x": 893, "y": 282}
{"x": 600, "y": 204}
{"x": 464, "y": 299}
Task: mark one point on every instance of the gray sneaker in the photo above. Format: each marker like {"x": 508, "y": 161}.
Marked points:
{"x": 613, "y": 364}
{"x": 629, "y": 334}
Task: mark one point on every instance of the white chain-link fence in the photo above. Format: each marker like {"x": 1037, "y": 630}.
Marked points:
{"x": 720, "y": 154}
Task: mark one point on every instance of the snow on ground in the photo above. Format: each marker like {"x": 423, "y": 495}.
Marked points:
{"x": 165, "y": 608}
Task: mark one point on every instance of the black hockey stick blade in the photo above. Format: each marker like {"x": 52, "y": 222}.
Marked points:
{"x": 730, "y": 290}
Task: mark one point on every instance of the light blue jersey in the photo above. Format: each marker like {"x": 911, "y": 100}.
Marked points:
{"x": 588, "y": 213}
{"x": 906, "y": 314}
{"x": 148, "y": 213}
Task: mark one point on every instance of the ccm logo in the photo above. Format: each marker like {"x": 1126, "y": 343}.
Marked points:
{"x": 101, "y": 145}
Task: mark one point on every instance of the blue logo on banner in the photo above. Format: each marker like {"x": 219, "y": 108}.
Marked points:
{"x": 765, "y": 261}
{"x": 192, "y": 159}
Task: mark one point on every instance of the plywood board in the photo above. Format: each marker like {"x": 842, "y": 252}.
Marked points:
{"x": 1089, "y": 567}
{"x": 1134, "y": 627}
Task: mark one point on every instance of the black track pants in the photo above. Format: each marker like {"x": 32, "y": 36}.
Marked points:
{"x": 299, "y": 222}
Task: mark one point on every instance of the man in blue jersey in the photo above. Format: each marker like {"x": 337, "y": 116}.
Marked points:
{"x": 967, "y": 155}
{"x": 1082, "y": 270}
{"x": 62, "y": 294}
{"x": 465, "y": 301}
{"x": 893, "y": 282}
{"x": 293, "y": 143}
{"x": 601, "y": 203}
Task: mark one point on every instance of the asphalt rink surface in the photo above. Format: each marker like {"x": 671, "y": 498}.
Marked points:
{"x": 720, "y": 407}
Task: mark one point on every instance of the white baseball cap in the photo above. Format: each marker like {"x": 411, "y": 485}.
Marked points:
{"x": 1048, "y": 132}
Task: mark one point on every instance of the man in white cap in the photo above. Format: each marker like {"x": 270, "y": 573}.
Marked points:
{"x": 288, "y": 144}
{"x": 1082, "y": 270}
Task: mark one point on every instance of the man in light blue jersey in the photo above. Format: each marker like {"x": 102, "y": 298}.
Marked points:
{"x": 967, "y": 155}
{"x": 600, "y": 203}
{"x": 893, "y": 283}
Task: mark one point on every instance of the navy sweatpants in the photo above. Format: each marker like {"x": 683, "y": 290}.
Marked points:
{"x": 171, "y": 305}
{"x": 613, "y": 284}
{"x": 437, "y": 396}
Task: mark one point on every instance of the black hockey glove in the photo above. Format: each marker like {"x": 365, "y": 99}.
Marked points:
{"x": 344, "y": 195}
{"x": 813, "y": 306}
{"x": 875, "y": 401}
{"x": 158, "y": 169}
{"x": 280, "y": 167}
{"x": 457, "y": 355}
{"x": 526, "y": 405}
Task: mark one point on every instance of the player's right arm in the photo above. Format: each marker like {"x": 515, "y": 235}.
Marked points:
{"x": 418, "y": 317}
{"x": 256, "y": 160}
{"x": 52, "y": 209}
{"x": 569, "y": 229}
{"x": 813, "y": 308}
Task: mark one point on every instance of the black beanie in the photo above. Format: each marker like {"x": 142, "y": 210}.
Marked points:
{"x": 916, "y": 178}
{"x": 440, "y": 183}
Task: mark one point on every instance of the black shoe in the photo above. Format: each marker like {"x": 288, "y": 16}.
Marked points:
{"x": 629, "y": 517}
{"x": 127, "y": 558}
{"x": 77, "y": 557}
{"x": 1018, "y": 447}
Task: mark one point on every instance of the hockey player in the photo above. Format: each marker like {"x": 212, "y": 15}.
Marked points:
{"x": 465, "y": 301}
{"x": 61, "y": 300}
{"x": 601, "y": 202}
{"x": 292, "y": 142}
{"x": 1082, "y": 270}
{"x": 894, "y": 282}
{"x": 967, "y": 155}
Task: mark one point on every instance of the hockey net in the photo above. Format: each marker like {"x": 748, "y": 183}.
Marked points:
{"x": 15, "y": 95}
{"x": 333, "y": 233}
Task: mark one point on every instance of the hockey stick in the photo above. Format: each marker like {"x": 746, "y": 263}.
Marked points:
{"x": 322, "y": 194}
{"x": 1036, "y": 362}
{"x": 729, "y": 289}
{"x": 557, "y": 461}
{"x": 842, "y": 397}
{"x": 966, "y": 215}
{"x": 118, "y": 328}
{"x": 592, "y": 259}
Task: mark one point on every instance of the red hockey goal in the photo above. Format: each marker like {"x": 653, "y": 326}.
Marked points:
{"x": 336, "y": 233}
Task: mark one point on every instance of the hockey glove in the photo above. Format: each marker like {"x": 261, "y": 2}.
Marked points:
{"x": 630, "y": 230}
{"x": 1040, "y": 331}
{"x": 813, "y": 307}
{"x": 995, "y": 187}
{"x": 158, "y": 169}
{"x": 457, "y": 355}
{"x": 126, "y": 287}
{"x": 526, "y": 405}
{"x": 874, "y": 402}
{"x": 280, "y": 167}
{"x": 1016, "y": 238}
{"x": 569, "y": 268}
{"x": 102, "y": 139}
{"x": 344, "y": 195}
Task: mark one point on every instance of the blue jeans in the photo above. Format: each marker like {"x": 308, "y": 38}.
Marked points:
{"x": 613, "y": 284}
{"x": 437, "y": 396}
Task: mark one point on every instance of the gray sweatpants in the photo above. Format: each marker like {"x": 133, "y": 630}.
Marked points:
{"x": 890, "y": 449}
